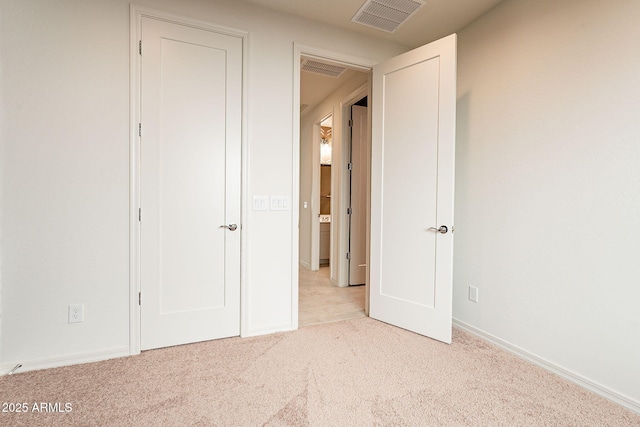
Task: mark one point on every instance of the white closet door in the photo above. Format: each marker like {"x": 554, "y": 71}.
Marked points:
{"x": 190, "y": 184}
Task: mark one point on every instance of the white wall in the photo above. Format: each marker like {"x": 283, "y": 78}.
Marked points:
{"x": 330, "y": 105}
{"x": 548, "y": 184}
{"x": 65, "y": 168}
{"x": 65, "y": 171}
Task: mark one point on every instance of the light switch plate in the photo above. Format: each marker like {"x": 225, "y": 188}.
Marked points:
{"x": 279, "y": 203}
{"x": 473, "y": 294}
{"x": 260, "y": 203}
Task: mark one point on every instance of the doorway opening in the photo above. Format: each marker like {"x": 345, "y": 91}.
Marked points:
{"x": 328, "y": 193}
{"x": 414, "y": 111}
{"x": 326, "y": 136}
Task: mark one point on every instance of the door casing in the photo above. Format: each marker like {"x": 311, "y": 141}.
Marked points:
{"x": 315, "y": 196}
{"x": 136, "y": 14}
{"x": 359, "y": 197}
{"x": 353, "y": 62}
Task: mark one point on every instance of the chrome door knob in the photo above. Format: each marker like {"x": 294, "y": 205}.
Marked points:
{"x": 230, "y": 227}
{"x": 442, "y": 229}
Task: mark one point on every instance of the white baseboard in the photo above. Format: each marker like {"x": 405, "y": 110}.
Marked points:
{"x": 266, "y": 330}
{"x": 305, "y": 264}
{"x": 64, "y": 360}
{"x": 571, "y": 376}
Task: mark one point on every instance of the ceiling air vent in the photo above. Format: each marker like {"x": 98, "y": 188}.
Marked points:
{"x": 330, "y": 70}
{"x": 386, "y": 15}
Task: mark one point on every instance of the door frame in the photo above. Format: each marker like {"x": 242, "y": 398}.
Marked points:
{"x": 353, "y": 62}
{"x": 345, "y": 187}
{"x": 136, "y": 14}
{"x": 314, "y": 200}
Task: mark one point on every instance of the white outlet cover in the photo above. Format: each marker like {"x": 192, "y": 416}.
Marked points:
{"x": 76, "y": 313}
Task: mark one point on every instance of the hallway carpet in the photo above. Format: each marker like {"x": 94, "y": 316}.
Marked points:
{"x": 319, "y": 301}
{"x": 356, "y": 372}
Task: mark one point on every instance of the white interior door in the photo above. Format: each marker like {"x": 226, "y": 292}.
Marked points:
{"x": 359, "y": 177}
{"x": 413, "y": 148}
{"x": 191, "y": 87}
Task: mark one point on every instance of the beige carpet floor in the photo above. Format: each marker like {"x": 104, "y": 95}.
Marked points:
{"x": 319, "y": 301}
{"x": 356, "y": 372}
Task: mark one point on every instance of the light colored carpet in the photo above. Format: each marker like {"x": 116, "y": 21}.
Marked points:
{"x": 355, "y": 372}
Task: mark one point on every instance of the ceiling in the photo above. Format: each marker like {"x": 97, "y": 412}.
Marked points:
{"x": 436, "y": 19}
{"x": 314, "y": 88}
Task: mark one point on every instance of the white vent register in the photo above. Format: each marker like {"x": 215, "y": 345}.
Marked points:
{"x": 386, "y": 15}
{"x": 317, "y": 67}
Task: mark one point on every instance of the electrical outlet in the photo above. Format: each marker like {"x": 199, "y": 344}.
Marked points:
{"x": 473, "y": 294}
{"x": 76, "y": 313}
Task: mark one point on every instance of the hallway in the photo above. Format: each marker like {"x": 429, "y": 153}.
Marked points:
{"x": 321, "y": 302}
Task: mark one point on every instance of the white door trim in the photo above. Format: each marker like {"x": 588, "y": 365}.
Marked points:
{"x": 136, "y": 14}
{"x": 314, "y": 200}
{"x": 342, "y": 234}
{"x": 351, "y": 61}
{"x": 346, "y": 104}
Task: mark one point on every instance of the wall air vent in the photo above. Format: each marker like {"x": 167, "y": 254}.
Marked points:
{"x": 317, "y": 67}
{"x": 386, "y": 15}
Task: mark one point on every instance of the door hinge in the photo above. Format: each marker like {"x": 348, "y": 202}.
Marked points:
{"x": 139, "y": 214}
{"x": 139, "y": 129}
{"x": 349, "y": 255}
{"x": 139, "y": 298}
{"x": 349, "y": 211}
{"x": 350, "y": 122}
{"x": 140, "y": 47}
{"x": 350, "y": 166}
